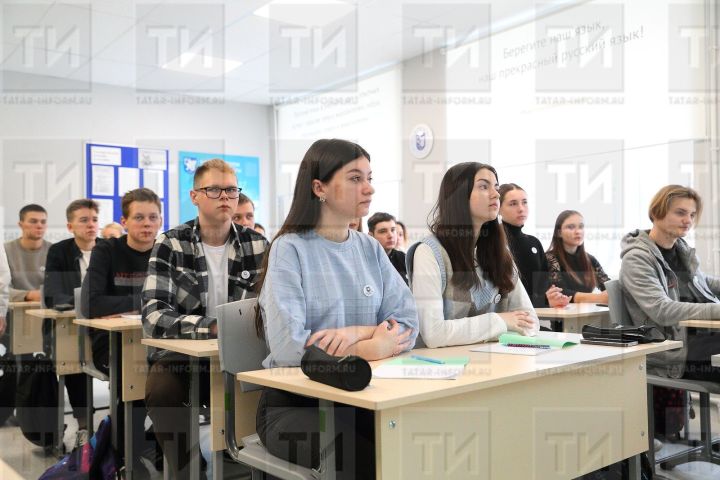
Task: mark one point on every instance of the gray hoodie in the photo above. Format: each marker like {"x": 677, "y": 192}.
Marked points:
{"x": 651, "y": 293}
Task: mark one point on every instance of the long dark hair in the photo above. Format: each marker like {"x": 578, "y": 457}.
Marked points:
{"x": 321, "y": 161}
{"x": 452, "y": 225}
{"x": 557, "y": 248}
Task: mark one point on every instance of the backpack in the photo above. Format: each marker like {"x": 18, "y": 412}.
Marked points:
{"x": 96, "y": 459}
{"x": 36, "y": 400}
{"x": 8, "y": 381}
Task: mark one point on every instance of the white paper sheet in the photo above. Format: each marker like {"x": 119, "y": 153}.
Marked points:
{"x": 128, "y": 179}
{"x": 498, "y": 348}
{"x": 153, "y": 179}
{"x": 103, "y": 181}
{"x": 107, "y": 211}
{"x": 428, "y": 372}
{"x": 105, "y": 155}
{"x": 152, "y": 159}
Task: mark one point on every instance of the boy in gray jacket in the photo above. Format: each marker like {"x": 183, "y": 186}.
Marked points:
{"x": 663, "y": 284}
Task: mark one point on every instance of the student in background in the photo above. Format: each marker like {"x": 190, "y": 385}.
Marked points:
{"x": 527, "y": 251}
{"x": 118, "y": 267}
{"x": 331, "y": 286}
{"x": 663, "y": 284}
{"x": 4, "y": 290}
{"x": 260, "y": 229}
{"x": 571, "y": 268}
{"x": 193, "y": 268}
{"x": 462, "y": 276}
{"x": 112, "y": 230}
{"x": 26, "y": 255}
{"x": 244, "y": 212}
{"x": 402, "y": 236}
{"x": 383, "y": 228}
{"x": 67, "y": 263}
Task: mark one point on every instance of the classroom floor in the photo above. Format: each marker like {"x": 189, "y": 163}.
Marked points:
{"x": 20, "y": 459}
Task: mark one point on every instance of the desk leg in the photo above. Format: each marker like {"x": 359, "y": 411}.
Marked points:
{"x": 194, "y": 443}
{"x": 217, "y": 459}
{"x": 129, "y": 410}
{"x": 60, "y": 415}
{"x": 634, "y": 469}
{"x": 327, "y": 439}
{"x": 114, "y": 375}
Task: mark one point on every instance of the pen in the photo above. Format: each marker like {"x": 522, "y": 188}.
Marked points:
{"x": 427, "y": 359}
{"x": 527, "y": 345}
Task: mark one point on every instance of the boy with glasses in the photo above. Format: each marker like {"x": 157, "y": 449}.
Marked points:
{"x": 194, "y": 268}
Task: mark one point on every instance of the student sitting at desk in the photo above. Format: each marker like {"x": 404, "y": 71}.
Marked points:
{"x": 571, "y": 268}
{"x": 462, "y": 276}
{"x": 66, "y": 265}
{"x": 527, "y": 250}
{"x": 663, "y": 284}
{"x": 118, "y": 267}
{"x": 26, "y": 255}
{"x": 193, "y": 268}
{"x": 4, "y": 290}
{"x": 329, "y": 285}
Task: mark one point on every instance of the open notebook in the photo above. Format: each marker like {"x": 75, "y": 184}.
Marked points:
{"x": 516, "y": 344}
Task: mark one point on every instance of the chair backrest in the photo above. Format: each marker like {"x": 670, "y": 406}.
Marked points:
{"x": 240, "y": 348}
{"x": 619, "y": 314}
{"x": 78, "y": 303}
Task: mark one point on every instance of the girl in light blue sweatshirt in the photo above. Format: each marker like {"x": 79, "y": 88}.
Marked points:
{"x": 333, "y": 287}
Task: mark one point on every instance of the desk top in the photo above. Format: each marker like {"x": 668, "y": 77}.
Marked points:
{"x": 701, "y": 323}
{"x": 49, "y": 313}
{"x": 24, "y": 304}
{"x": 573, "y": 310}
{"x": 193, "y": 348}
{"x": 485, "y": 370}
{"x": 115, "y": 324}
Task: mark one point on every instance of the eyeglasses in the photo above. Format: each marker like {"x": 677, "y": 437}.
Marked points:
{"x": 215, "y": 192}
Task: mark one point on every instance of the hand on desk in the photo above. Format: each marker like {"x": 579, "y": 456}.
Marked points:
{"x": 555, "y": 297}
{"x": 336, "y": 341}
{"x": 32, "y": 296}
{"x": 518, "y": 321}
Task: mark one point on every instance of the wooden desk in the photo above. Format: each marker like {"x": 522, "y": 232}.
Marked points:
{"x": 65, "y": 352}
{"x": 575, "y": 315}
{"x": 25, "y": 337}
{"x": 710, "y": 324}
{"x": 195, "y": 350}
{"x": 557, "y": 415}
{"x": 128, "y": 372}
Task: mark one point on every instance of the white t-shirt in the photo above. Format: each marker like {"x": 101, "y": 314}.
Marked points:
{"x": 217, "y": 264}
{"x": 84, "y": 263}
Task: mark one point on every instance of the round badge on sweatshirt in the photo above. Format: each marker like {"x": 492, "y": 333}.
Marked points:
{"x": 245, "y": 274}
{"x": 533, "y": 250}
{"x": 497, "y": 298}
{"x": 368, "y": 290}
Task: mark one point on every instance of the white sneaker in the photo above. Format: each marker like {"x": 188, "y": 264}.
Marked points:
{"x": 81, "y": 437}
{"x": 658, "y": 445}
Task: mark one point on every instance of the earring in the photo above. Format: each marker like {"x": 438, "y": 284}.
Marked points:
{"x": 321, "y": 199}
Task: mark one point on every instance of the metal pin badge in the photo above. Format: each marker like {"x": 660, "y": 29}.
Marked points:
{"x": 368, "y": 290}
{"x": 245, "y": 274}
{"x": 533, "y": 250}
{"x": 497, "y": 298}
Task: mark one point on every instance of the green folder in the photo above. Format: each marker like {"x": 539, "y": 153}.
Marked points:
{"x": 415, "y": 361}
{"x": 516, "y": 338}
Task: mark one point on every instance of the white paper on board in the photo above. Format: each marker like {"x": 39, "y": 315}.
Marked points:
{"x": 107, "y": 211}
{"x": 152, "y": 159}
{"x": 153, "y": 179}
{"x": 105, "y": 155}
{"x": 103, "y": 181}
{"x": 128, "y": 179}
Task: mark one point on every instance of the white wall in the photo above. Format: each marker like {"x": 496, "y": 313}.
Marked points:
{"x": 42, "y": 153}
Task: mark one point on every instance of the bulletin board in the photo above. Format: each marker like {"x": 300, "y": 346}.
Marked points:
{"x": 246, "y": 168}
{"x": 112, "y": 170}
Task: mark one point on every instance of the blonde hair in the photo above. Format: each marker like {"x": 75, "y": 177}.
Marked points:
{"x": 660, "y": 203}
{"x": 213, "y": 164}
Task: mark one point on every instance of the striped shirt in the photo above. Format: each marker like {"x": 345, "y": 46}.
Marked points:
{"x": 175, "y": 294}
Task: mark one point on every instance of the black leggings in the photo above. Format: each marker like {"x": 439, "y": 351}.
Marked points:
{"x": 289, "y": 425}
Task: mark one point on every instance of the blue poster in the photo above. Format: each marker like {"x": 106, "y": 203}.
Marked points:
{"x": 247, "y": 169}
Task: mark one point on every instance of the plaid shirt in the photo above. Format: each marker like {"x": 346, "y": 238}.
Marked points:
{"x": 175, "y": 293}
